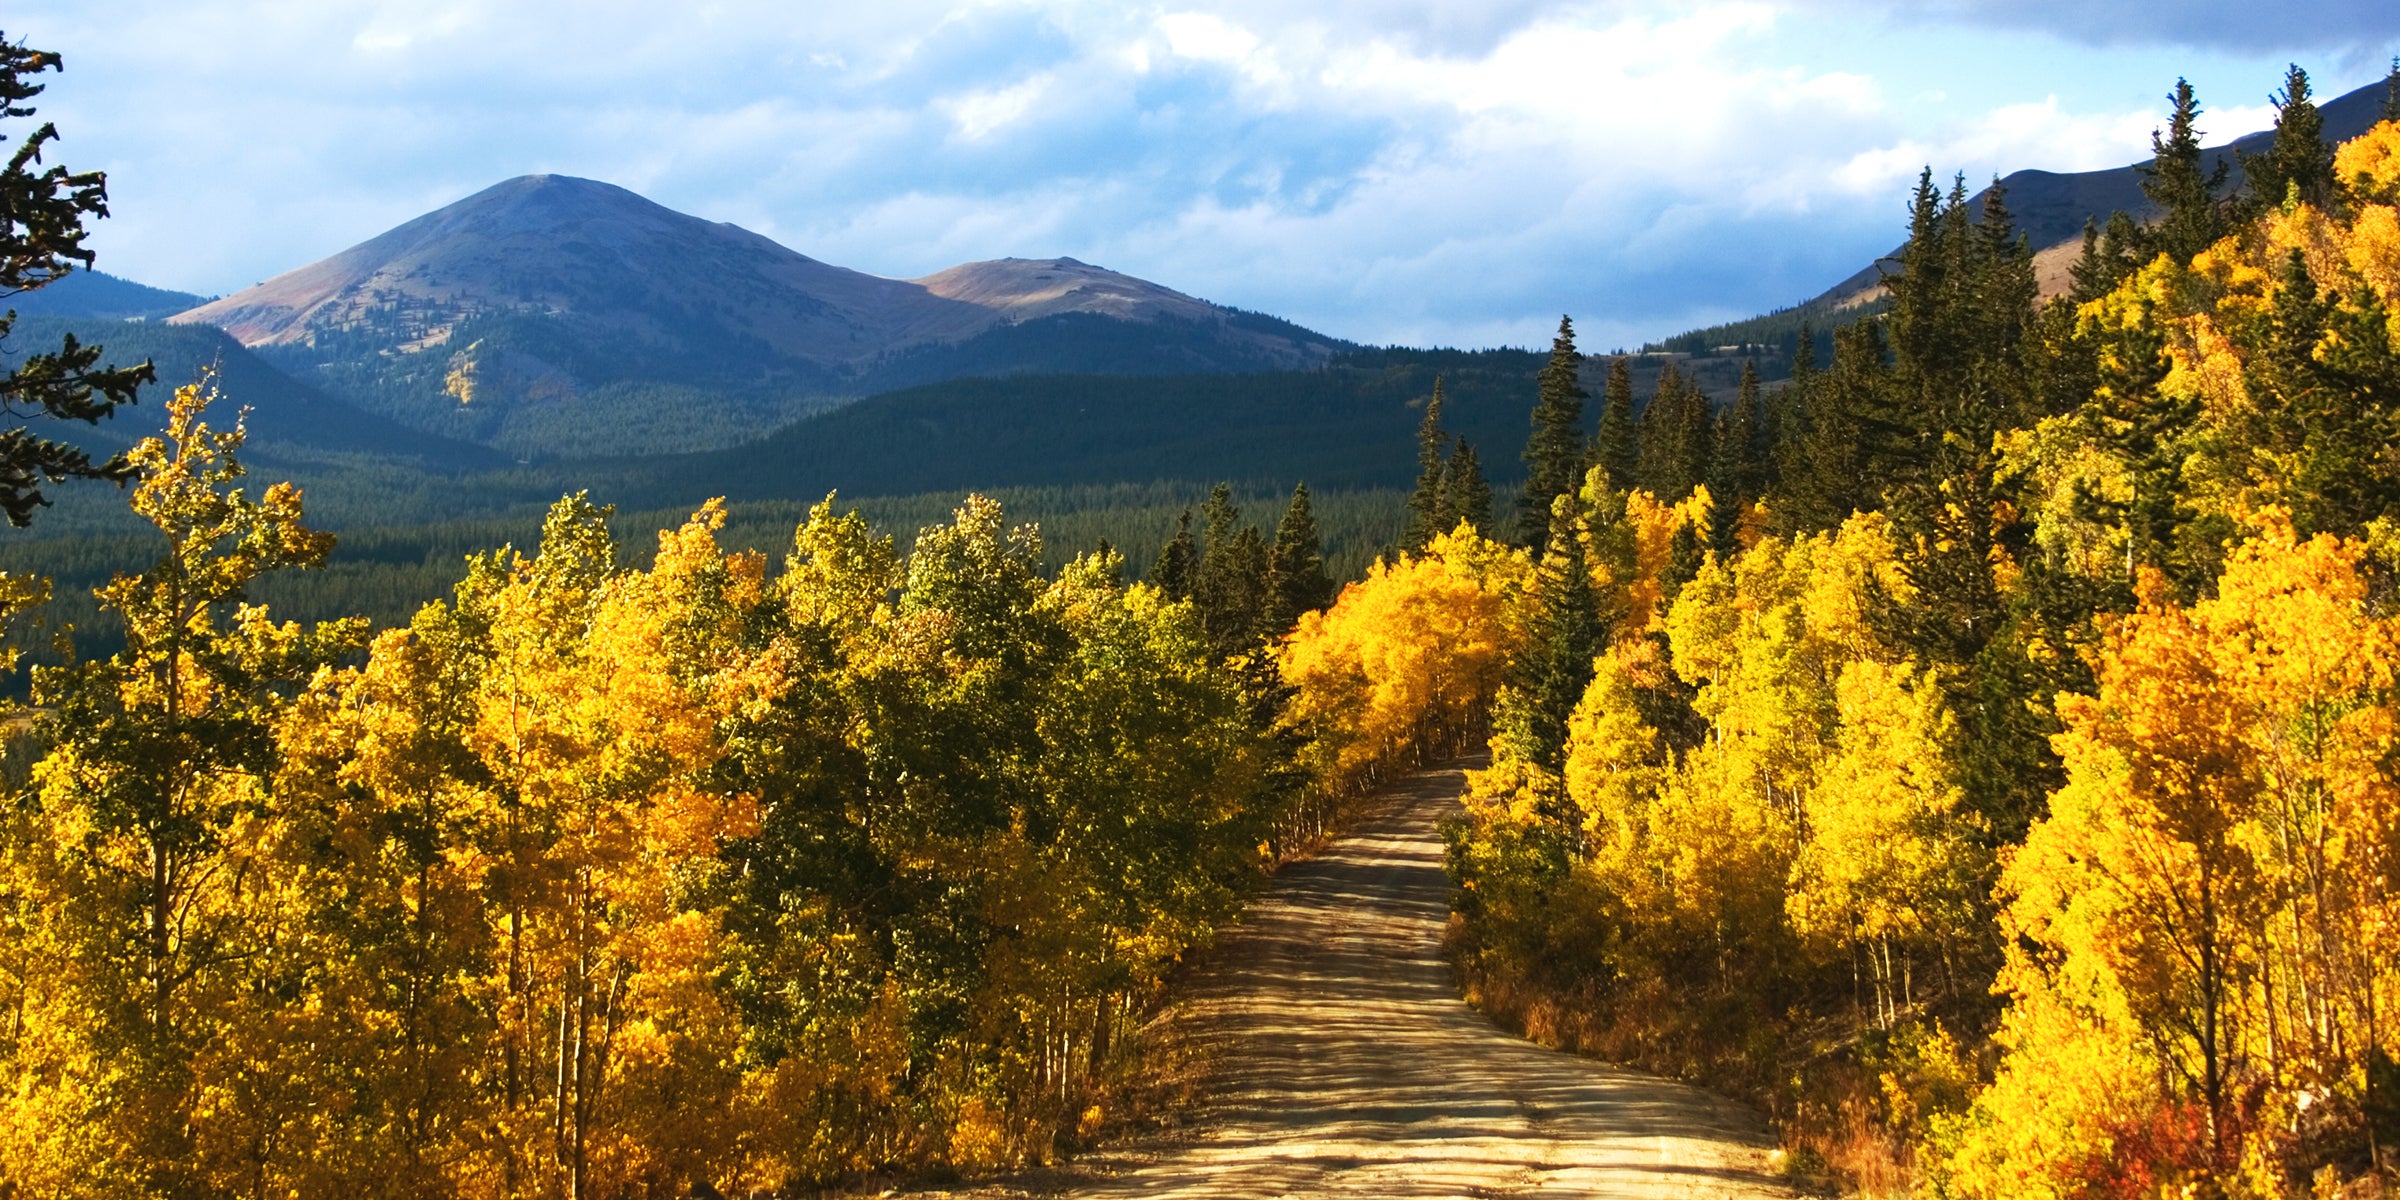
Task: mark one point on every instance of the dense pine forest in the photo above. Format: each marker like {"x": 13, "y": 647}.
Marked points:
{"x": 1980, "y": 749}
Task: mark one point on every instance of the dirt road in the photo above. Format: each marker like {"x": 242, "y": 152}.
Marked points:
{"x": 1346, "y": 1065}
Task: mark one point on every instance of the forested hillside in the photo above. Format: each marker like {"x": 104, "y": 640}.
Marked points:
{"x": 1987, "y": 755}
{"x": 2050, "y": 209}
{"x": 294, "y": 426}
{"x": 1982, "y": 751}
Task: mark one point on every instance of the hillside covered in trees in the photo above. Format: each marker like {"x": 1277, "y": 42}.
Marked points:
{"x": 1982, "y": 752}
{"x": 1986, "y": 754}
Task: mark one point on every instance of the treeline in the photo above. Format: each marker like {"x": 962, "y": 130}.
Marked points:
{"x": 1774, "y": 338}
{"x": 386, "y": 572}
{"x": 1984, "y": 750}
{"x": 708, "y": 877}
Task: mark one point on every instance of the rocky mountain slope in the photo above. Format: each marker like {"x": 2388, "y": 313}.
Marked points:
{"x": 554, "y": 316}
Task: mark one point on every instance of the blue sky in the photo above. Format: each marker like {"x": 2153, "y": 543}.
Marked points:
{"x": 1387, "y": 171}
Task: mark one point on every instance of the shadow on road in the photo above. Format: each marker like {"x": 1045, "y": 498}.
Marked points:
{"x": 1345, "y": 1063}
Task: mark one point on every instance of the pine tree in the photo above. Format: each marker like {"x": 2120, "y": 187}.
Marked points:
{"x": 2088, "y": 279}
{"x": 1177, "y": 562}
{"x": 1787, "y": 413}
{"x": 1296, "y": 567}
{"x": 1842, "y": 456}
{"x": 1922, "y": 289}
{"x": 1429, "y": 514}
{"x": 1733, "y": 471}
{"x": 2299, "y": 162}
{"x": 1465, "y": 493}
{"x": 1692, "y": 444}
{"x": 2391, "y": 91}
{"x": 1615, "y": 450}
{"x": 1747, "y": 425}
{"x": 1230, "y": 587}
{"x": 1654, "y": 434}
{"x": 1554, "y": 452}
{"x": 2109, "y": 255}
{"x": 41, "y": 240}
{"x": 2185, "y": 194}
{"x": 1567, "y": 633}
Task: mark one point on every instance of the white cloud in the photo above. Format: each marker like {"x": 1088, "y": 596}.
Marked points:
{"x": 980, "y": 113}
{"x": 1390, "y": 170}
{"x": 1208, "y": 38}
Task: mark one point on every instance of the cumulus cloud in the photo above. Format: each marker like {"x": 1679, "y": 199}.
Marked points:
{"x": 1387, "y": 170}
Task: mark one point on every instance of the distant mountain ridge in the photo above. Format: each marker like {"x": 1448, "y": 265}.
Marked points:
{"x": 2051, "y": 207}
{"x": 480, "y": 320}
{"x": 98, "y": 294}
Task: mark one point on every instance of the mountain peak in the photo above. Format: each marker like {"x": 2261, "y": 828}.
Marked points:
{"x": 545, "y": 289}
{"x": 1025, "y": 289}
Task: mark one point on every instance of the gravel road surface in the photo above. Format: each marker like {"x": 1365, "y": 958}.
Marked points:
{"x": 1344, "y": 1063}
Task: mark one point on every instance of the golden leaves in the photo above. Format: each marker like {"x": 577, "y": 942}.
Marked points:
{"x": 2369, "y": 164}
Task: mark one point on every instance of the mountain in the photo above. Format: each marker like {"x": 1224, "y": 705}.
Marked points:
{"x": 2051, "y": 207}
{"x": 289, "y": 422}
{"x": 560, "y": 317}
{"x": 102, "y": 295}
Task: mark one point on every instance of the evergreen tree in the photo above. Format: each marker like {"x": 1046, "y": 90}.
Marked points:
{"x": 1615, "y": 450}
{"x": 1230, "y": 587}
{"x": 2110, "y": 253}
{"x": 1567, "y": 633}
{"x": 41, "y": 240}
{"x": 1429, "y": 513}
{"x": 1674, "y": 437}
{"x": 2299, "y": 161}
{"x": 1692, "y": 444}
{"x": 1746, "y": 425}
{"x": 2326, "y": 397}
{"x": 1465, "y": 493}
{"x": 1173, "y": 573}
{"x": 2391, "y": 91}
{"x": 1654, "y": 434}
{"x": 1554, "y": 452}
{"x": 1788, "y": 423}
{"x": 2003, "y": 299}
{"x": 2185, "y": 194}
{"x": 1784, "y": 416}
{"x": 1843, "y": 453}
{"x": 1733, "y": 470}
{"x": 1296, "y": 566}
{"x": 1922, "y": 289}
{"x": 1962, "y": 302}
{"x": 2094, "y": 274}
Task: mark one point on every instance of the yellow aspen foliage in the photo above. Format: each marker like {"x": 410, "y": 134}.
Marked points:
{"x": 1764, "y": 637}
{"x": 2214, "y": 872}
{"x": 144, "y": 1057}
{"x": 2061, "y": 470}
{"x": 603, "y": 882}
{"x": 1615, "y": 761}
{"x": 2374, "y": 250}
{"x": 1890, "y": 860}
{"x": 2369, "y": 164}
{"x": 1653, "y": 526}
{"x": 1402, "y": 663}
{"x": 2078, "y": 1088}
